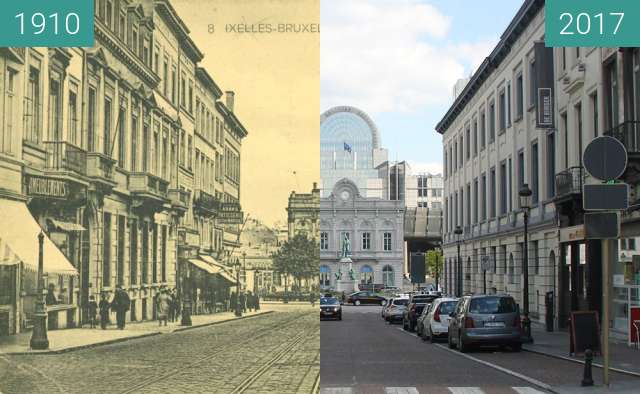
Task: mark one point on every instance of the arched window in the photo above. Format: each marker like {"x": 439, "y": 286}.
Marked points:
{"x": 387, "y": 276}
{"x": 325, "y": 276}
{"x": 366, "y": 274}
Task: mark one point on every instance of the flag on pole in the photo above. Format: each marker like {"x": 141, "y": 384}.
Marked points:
{"x": 347, "y": 147}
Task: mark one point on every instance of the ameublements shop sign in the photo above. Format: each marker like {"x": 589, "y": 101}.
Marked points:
{"x": 47, "y": 187}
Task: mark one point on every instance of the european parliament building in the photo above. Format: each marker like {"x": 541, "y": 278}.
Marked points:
{"x": 355, "y": 202}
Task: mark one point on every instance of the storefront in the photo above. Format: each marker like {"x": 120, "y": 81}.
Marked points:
{"x": 626, "y": 291}
{"x": 19, "y": 258}
{"x": 210, "y": 285}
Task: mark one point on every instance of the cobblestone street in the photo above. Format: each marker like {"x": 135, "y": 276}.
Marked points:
{"x": 277, "y": 352}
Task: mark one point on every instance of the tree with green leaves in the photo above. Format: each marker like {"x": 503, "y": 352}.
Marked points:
{"x": 435, "y": 263}
{"x": 299, "y": 258}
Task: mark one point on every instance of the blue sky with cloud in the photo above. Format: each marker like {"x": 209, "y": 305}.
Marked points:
{"x": 398, "y": 60}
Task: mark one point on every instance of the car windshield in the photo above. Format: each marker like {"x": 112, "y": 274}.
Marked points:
{"x": 328, "y": 301}
{"x": 489, "y": 305}
{"x": 448, "y": 307}
{"x": 402, "y": 301}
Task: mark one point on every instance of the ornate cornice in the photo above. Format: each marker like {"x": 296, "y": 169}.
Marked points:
{"x": 125, "y": 54}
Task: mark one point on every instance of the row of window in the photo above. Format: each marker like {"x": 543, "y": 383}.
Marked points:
{"x": 366, "y": 275}
{"x": 365, "y": 239}
{"x": 208, "y": 125}
{"x": 501, "y": 265}
{"x": 153, "y": 237}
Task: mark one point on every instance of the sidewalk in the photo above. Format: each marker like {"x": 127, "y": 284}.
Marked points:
{"x": 61, "y": 341}
{"x": 622, "y": 358}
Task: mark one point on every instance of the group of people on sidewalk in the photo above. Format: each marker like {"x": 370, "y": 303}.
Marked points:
{"x": 248, "y": 301}
{"x": 167, "y": 307}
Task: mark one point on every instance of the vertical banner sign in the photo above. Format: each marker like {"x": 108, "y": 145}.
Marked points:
{"x": 47, "y": 23}
{"x": 545, "y": 83}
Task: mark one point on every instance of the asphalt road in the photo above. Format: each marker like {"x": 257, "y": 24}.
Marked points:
{"x": 277, "y": 352}
{"x": 363, "y": 354}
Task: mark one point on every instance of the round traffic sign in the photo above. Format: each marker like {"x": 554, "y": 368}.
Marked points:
{"x": 605, "y": 158}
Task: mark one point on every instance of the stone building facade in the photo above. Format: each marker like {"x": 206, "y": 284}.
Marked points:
{"x": 101, "y": 145}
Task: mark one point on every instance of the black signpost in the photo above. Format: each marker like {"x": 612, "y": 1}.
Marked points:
{"x": 605, "y": 158}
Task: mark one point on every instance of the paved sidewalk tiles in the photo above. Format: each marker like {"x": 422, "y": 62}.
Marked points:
{"x": 623, "y": 358}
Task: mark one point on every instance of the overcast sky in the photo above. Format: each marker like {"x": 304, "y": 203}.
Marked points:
{"x": 398, "y": 60}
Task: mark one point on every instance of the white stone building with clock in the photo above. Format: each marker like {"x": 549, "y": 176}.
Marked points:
{"x": 352, "y": 203}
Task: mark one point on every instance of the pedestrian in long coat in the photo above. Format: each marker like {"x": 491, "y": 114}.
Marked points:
{"x": 233, "y": 301}
{"x": 243, "y": 302}
{"x": 163, "y": 305}
{"x": 104, "y": 311}
{"x": 120, "y": 304}
{"x": 249, "y": 301}
{"x": 256, "y": 301}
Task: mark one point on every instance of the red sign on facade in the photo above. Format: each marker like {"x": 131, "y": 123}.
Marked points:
{"x": 634, "y": 323}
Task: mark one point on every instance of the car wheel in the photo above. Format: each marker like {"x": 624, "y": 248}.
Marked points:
{"x": 432, "y": 339}
{"x": 340, "y": 317}
{"x": 450, "y": 342}
{"x": 461, "y": 345}
{"x": 356, "y": 303}
{"x": 516, "y": 347}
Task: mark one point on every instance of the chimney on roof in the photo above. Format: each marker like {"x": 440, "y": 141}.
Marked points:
{"x": 230, "y": 96}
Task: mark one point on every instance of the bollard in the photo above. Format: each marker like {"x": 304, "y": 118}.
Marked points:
{"x": 587, "y": 379}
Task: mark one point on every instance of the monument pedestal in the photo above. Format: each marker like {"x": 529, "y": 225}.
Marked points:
{"x": 348, "y": 286}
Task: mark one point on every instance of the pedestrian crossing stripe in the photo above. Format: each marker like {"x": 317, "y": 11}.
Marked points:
{"x": 413, "y": 390}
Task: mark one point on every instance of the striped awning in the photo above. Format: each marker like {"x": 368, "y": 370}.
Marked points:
{"x": 66, "y": 226}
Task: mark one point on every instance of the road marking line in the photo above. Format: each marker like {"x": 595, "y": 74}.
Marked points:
{"x": 527, "y": 390}
{"x": 336, "y": 390}
{"x": 401, "y": 390}
{"x": 466, "y": 390}
{"x": 533, "y": 381}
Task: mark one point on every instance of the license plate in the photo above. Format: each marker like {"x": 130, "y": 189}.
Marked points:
{"x": 494, "y": 324}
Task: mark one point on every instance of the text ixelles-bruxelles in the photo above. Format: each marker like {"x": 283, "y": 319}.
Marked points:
{"x": 268, "y": 28}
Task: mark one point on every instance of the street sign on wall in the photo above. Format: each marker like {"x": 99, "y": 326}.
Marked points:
{"x": 545, "y": 82}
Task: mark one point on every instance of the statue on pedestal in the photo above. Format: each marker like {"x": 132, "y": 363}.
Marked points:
{"x": 346, "y": 246}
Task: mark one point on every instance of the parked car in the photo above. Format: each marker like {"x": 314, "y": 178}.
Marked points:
{"x": 383, "y": 311}
{"x": 435, "y": 323}
{"x": 366, "y": 297}
{"x": 485, "y": 320}
{"x": 414, "y": 309}
{"x": 330, "y": 308}
{"x": 420, "y": 320}
{"x": 395, "y": 309}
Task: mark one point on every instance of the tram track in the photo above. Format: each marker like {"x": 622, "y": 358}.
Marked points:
{"x": 263, "y": 332}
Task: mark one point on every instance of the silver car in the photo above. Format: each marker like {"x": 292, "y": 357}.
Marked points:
{"x": 395, "y": 309}
{"x": 485, "y": 320}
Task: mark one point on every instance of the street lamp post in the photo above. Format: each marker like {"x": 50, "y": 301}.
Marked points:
{"x": 458, "y": 232}
{"x": 525, "y": 203}
{"x": 437, "y": 263}
{"x": 39, "y": 340}
{"x": 238, "y": 307}
{"x": 186, "y": 296}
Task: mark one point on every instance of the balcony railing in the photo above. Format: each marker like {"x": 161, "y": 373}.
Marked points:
{"x": 206, "y": 202}
{"x": 179, "y": 198}
{"x": 569, "y": 181}
{"x": 145, "y": 183}
{"x": 629, "y": 134}
{"x": 63, "y": 156}
{"x": 100, "y": 166}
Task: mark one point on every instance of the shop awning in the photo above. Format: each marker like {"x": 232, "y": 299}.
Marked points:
{"x": 7, "y": 257}
{"x": 219, "y": 268}
{"x": 66, "y": 226}
{"x": 203, "y": 265}
{"x": 19, "y": 231}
